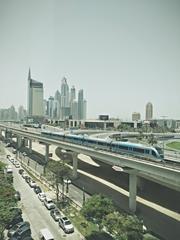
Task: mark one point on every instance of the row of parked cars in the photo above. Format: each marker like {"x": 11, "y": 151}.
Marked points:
{"x": 18, "y": 229}
{"x": 14, "y": 161}
{"x": 63, "y": 221}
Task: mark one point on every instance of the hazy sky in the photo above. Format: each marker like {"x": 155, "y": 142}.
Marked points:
{"x": 122, "y": 53}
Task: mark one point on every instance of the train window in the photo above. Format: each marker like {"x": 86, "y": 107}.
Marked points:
{"x": 102, "y": 143}
{"x": 153, "y": 153}
{"x": 123, "y": 147}
{"x": 140, "y": 150}
{"x": 147, "y": 151}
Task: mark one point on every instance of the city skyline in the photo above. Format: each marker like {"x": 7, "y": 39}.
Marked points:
{"x": 122, "y": 53}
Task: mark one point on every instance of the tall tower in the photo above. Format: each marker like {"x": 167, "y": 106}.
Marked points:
{"x": 65, "y": 106}
{"x": 72, "y": 101}
{"x": 82, "y": 105}
{"x": 149, "y": 111}
{"x": 35, "y": 97}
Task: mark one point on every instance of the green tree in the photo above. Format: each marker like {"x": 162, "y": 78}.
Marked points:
{"x": 59, "y": 172}
{"x": 114, "y": 223}
{"x": 152, "y": 140}
{"x": 96, "y": 208}
{"x": 7, "y": 201}
{"x": 123, "y": 227}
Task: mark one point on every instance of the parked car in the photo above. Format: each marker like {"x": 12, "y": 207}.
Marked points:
{"x": 7, "y": 145}
{"x": 16, "y": 227}
{"x": 66, "y": 225}
{"x": 9, "y": 169}
{"x": 17, "y": 196}
{"x": 11, "y": 160}
{"x": 41, "y": 196}
{"x": 55, "y": 213}
{"x": 24, "y": 174}
{"x": 21, "y": 237}
{"x": 32, "y": 183}
{"x": 14, "y": 151}
{"x": 17, "y": 165}
{"x": 17, "y": 211}
{"x": 27, "y": 179}
{"x": 8, "y": 156}
{"x": 22, "y": 233}
{"x": 45, "y": 234}
{"x": 21, "y": 171}
{"x": 24, "y": 154}
{"x": 17, "y": 217}
{"x": 37, "y": 189}
{"x": 49, "y": 203}
{"x": 15, "y": 161}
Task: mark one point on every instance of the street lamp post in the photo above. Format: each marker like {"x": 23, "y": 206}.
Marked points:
{"x": 84, "y": 197}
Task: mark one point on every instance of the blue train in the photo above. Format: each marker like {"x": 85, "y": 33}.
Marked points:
{"x": 139, "y": 150}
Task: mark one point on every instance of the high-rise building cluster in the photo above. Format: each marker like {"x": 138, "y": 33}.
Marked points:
{"x": 10, "y": 114}
{"x": 64, "y": 105}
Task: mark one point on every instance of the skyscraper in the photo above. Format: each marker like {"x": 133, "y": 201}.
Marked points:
{"x": 65, "y": 106}
{"x": 149, "y": 111}
{"x": 136, "y": 116}
{"x": 35, "y": 97}
{"x": 57, "y": 102}
{"x": 81, "y": 105}
{"x": 74, "y": 110}
{"x": 72, "y": 99}
{"x": 50, "y": 106}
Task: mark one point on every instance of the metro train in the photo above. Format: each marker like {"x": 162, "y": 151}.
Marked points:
{"x": 134, "y": 149}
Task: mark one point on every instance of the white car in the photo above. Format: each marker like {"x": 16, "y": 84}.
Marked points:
{"x": 24, "y": 174}
{"x": 9, "y": 169}
{"x": 66, "y": 225}
{"x": 15, "y": 162}
{"x": 49, "y": 203}
{"x": 32, "y": 183}
{"x": 41, "y": 196}
{"x": 17, "y": 165}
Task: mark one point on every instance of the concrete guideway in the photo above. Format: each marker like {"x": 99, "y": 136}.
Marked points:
{"x": 157, "y": 172}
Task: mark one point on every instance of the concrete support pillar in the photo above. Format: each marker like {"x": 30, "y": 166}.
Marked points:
{"x": 47, "y": 153}
{"x": 26, "y": 142}
{"x": 132, "y": 191}
{"x": 104, "y": 125}
{"x": 75, "y": 164}
{"x": 19, "y": 142}
{"x": 30, "y": 145}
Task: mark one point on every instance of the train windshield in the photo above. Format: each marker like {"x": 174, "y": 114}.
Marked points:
{"x": 160, "y": 151}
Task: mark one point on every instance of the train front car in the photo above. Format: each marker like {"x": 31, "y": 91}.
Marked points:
{"x": 160, "y": 152}
{"x": 137, "y": 150}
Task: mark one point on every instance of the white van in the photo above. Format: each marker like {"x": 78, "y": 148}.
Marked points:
{"x": 45, "y": 234}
